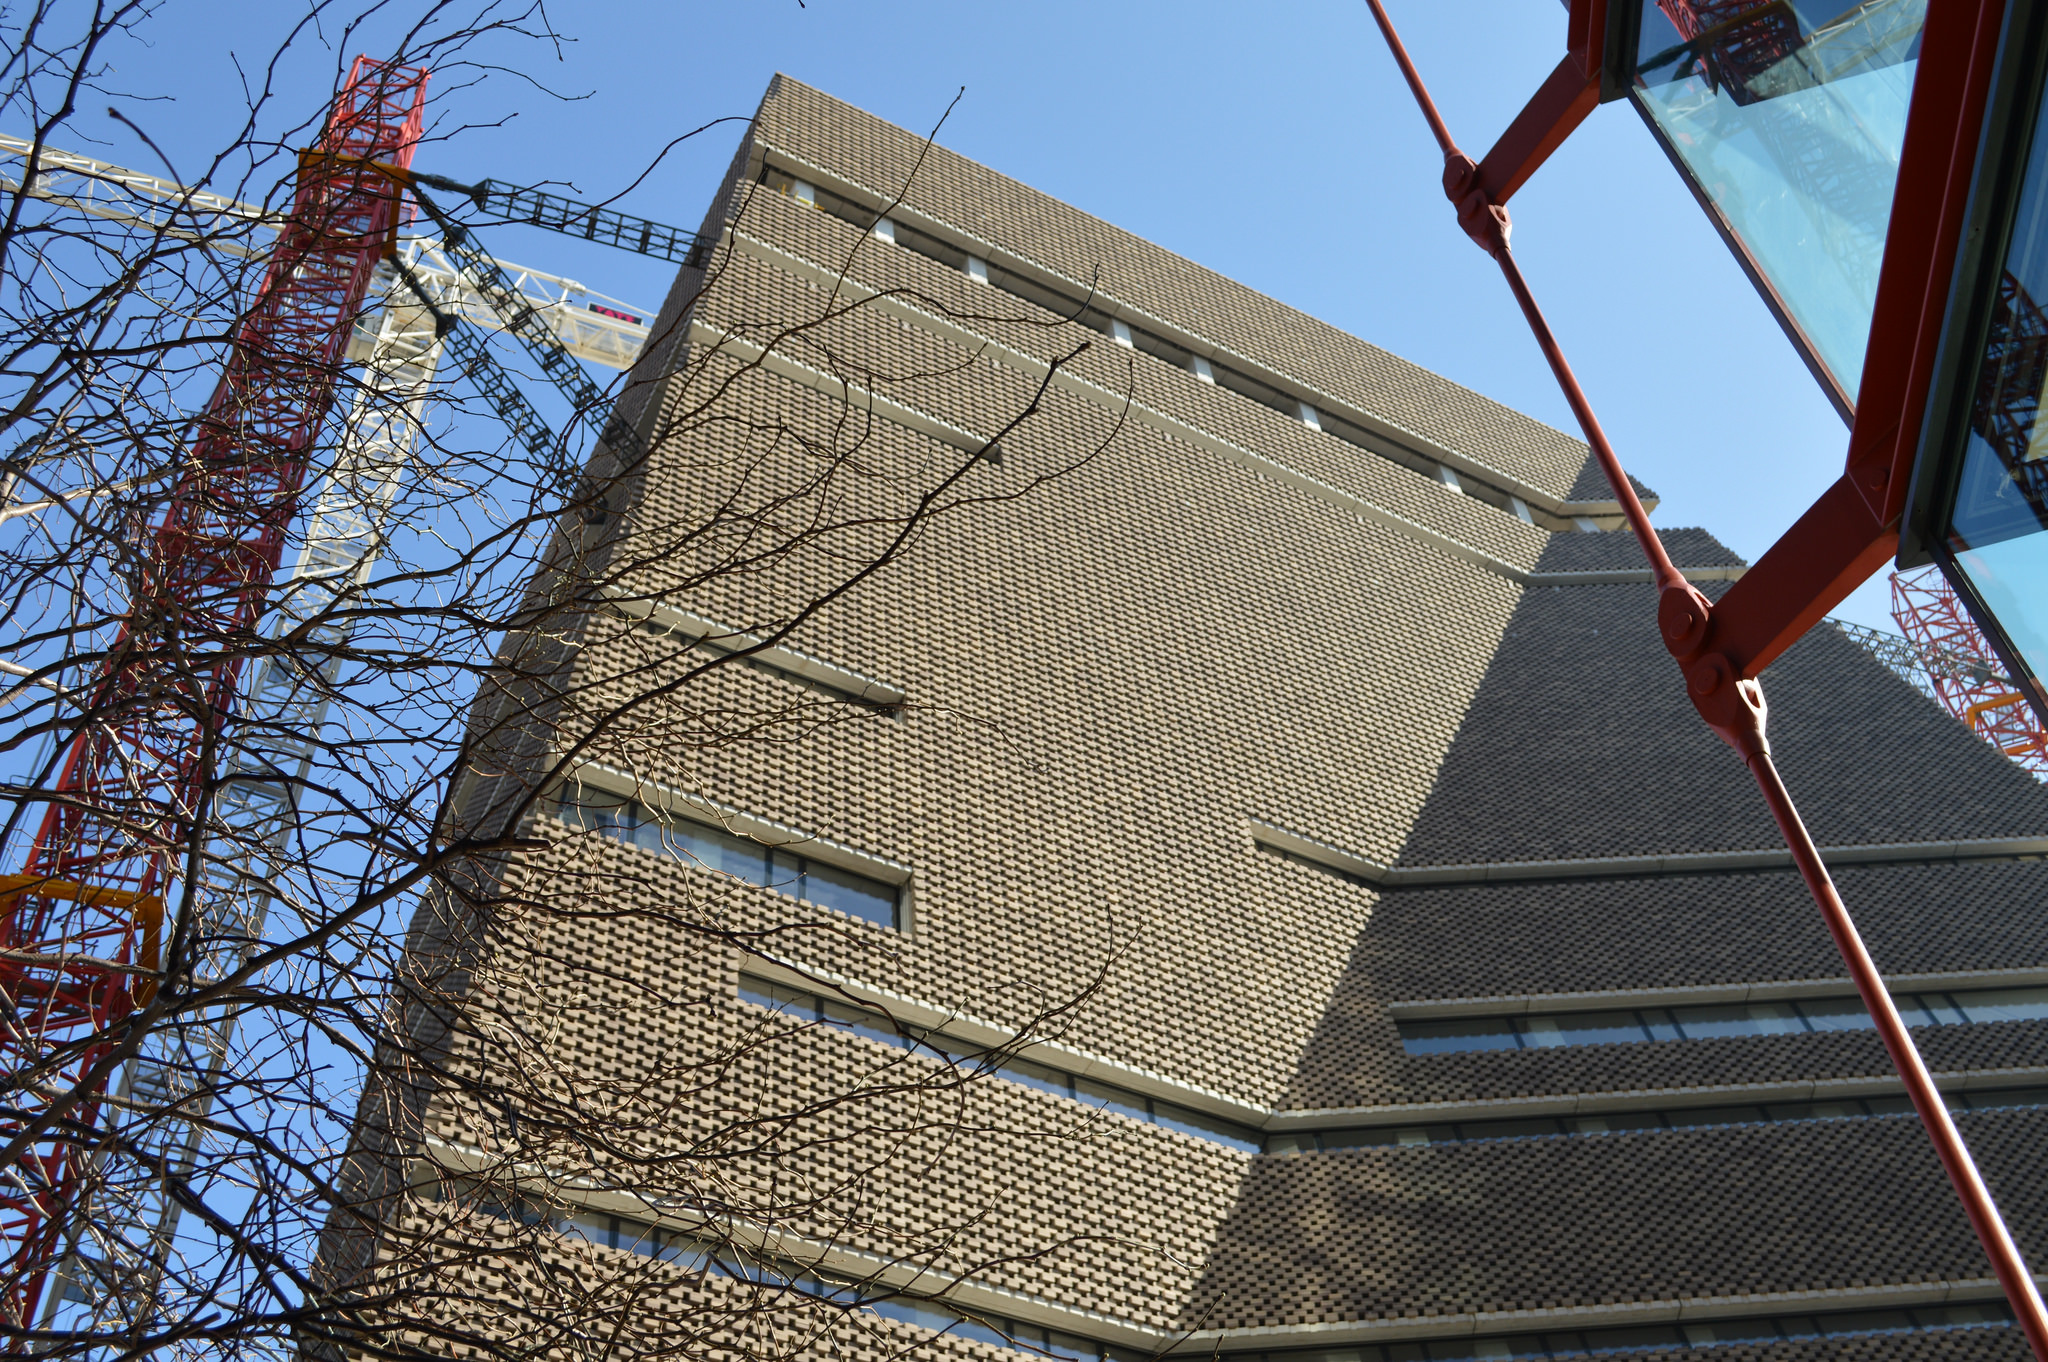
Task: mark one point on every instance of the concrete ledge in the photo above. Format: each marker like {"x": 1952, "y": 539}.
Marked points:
{"x": 1646, "y": 1099}
{"x": 780, "y": 658}
{"x": 1596, "y": 1316}
{"x": 1605, "y": 867}
{"x": 1513, "y": 1004}
{"x": 1051, "y": 1053}
{"x": 669, "y": 799}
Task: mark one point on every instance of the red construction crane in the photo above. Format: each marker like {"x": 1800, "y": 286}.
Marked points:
{"x": 1736, "y": 42}
{"x": 80, "y": 927}
{"x": 1967, "y": 677}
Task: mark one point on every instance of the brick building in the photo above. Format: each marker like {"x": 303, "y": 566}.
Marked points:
{"x": 1421, "y": 977}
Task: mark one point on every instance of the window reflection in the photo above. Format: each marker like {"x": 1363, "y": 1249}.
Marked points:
{"x": 2001, "y": 503}
{"x": 1788, "y": 116}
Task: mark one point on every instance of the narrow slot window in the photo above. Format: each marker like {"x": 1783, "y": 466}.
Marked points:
{"x": 1448, "y": 476}
{"x": 1521, "y": 510}
{"x": 977, "y": 269}
{"x": 1585, "y": 524}
{"x": 2013, "y": 1004}
{"x": 1309, "y": 417}
{"x": 1120, "y": 332}
{"x": 727, "y": 853}
{"x": 1203, "y": 371}
{"x": 885, "y": 230}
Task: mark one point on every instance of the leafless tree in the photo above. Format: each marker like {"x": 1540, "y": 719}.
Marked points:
{"x": 342, "y": 1068}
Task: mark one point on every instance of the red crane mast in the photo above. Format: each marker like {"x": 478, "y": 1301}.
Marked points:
{"x": 81, "y": 925}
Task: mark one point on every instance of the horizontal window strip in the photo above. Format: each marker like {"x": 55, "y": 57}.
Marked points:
{"x": 1661, "y": 1337}
{"x": 691, "y": 1254}
{"x": 1206, "y": 368}
{"x": 873, "y": 1025}
{"x": 1629, "y": 1122}
{"x": 1715, "y": 1021}
{"x": 786, "y": 870}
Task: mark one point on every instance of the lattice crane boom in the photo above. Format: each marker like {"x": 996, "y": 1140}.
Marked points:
{"x": 81, "y": 923}
{"x": 116, "y": 1253}
{"x": 1963, "y": 670}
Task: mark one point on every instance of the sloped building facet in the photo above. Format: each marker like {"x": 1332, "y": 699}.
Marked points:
{"x": 1422, "y": 979}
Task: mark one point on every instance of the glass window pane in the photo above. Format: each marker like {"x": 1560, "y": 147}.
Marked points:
{"x": 1737, "y": 1019}
{"x": 912, "y": 1312}
{"x": 1508, "y": 1130}
{"x": 1359, "y": 1139}
{"x": 741, "y": 857}
{"x": 2005, "y": 1004}
{"x": 692, "y": 842}
{"x": 580, "y": 806}
{"x": 1447, "y": 1037}
{"x": 1836, "y": 1014}
{"x": 1599, "y": 1028}
{"x": 1789, "y": 118}
{"x": 980, "y": 1332}
{"x": 1194, "y": 1123}
{"x": 1600, "y": 1341}
{"x": 1070, "y": 1346}
{"x": 1715, "y": 1116}
{"x": 1039, "y": 1077}
{"x": 863, "y": 1023}
{"x": 856, "y": 895}
{"x": 761, "y": 993}
{"x": 1866, "y": 1322}
{"x": 2001, "y": 508}
{"x": 1912, "y": 1011}
{"x": 1103, "y": 1097}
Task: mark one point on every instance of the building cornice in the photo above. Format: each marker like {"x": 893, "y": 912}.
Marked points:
{"x": 725, "y": 341}
{"x": 1193, "y": 341}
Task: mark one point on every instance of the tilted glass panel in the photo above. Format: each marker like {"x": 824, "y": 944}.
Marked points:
{"x": 2001, "y": 506}
{"x": 1788, "y": 115}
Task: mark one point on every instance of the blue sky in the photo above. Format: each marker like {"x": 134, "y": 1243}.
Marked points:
{"x": 1274, "y": 144}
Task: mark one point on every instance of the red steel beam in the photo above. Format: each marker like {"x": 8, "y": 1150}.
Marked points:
{"x": 1559, "y": 105}
{"x": 1732, "y": 702}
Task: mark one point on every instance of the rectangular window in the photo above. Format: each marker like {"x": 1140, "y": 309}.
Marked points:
{"x": 728, "y": 853}
{"x": 1203, "y": 371}
{"x": 2012, "y": 1004}
{"x": 1309, "y": 417}
{"x": 977, "y": 269}
{"x": 1105, "y": 1097}
{"x": 1120, "y": 332}
{"x": 1448, "y": 476}
{"x": 1457, "y": 1035}
{"x": 885, "y": 230}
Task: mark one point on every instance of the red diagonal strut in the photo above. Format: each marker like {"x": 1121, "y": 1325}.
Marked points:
{"x": 1727, "y": 697}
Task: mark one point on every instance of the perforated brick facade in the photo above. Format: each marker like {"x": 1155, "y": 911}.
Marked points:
{"x": 1215, "y": 619}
